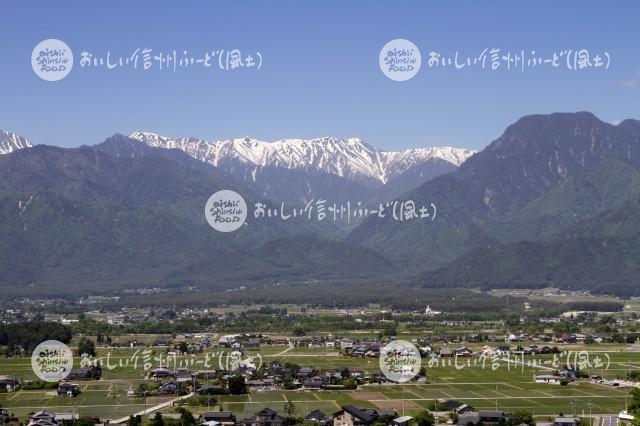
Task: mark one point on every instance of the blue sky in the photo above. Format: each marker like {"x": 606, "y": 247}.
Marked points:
{"x": 320, "y": 74}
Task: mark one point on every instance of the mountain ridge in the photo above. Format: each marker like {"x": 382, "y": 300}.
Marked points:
{"x": 11, "y": 142}
{"x": 351, "y": 157}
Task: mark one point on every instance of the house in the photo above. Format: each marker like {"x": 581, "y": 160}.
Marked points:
{"x": 346, "y": 344}
{"x": 42, "y": 418}
{"x": 46, "y": 418}
{"x": 470, "y": 418}
{"x": 264, "y": 417}
{"x": 80, "y": 374}
{"x": 425, "y": 341}
{"x": 355, "y": 371}
{"x": 430, "y": 312}
{"x": 305, "y": 372}
{"x": 402, "y": 421}
{"x": 259, "y": 384}
{"x": 10, "y": 383}
{"x": 503, "y": 351}
{"x": 464, "y": 352}
{"x": 206, "y": 374}
{"x": 183, "y": 375}
{"x": 169, "y": 388}
{"x": 354, "y": 416}
{"x": 115, "y": 319}
{"x": 281, "y": 341}
{"x": 446, "y": 353}
{"x": 315, "y": 382}
{"x": 488, "y": 351}
{"x": 566, "y": 421}
{"x": 547, "y": 378}
{"x": 464, "y": 408}
{"x": 483, "y": 417}
{"x": 224, "y": 418}
{"x": 488, "y": 416}
{"x": 318, "y": 417}
{"x": 451, "y": 405}
{"x": 457, "y": 407}
{"x": 68, "y": 389}
{"x": 359, "y": 352}
{"x": 161, "y": 373}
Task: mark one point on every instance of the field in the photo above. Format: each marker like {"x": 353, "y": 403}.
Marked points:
{"x": 507, "y": 385}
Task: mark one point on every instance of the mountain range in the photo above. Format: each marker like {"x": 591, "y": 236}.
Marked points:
{"x": 553, "y": 201}
{"x": 299, "y": 170}
{"x": 10, "y": 142}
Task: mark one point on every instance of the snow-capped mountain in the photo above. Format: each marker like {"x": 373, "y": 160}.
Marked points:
{"x": 10, "y": 142}
{"x": 347, "y": 158}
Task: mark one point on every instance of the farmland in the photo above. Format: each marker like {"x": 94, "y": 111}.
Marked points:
{"x": 507, "y": 385}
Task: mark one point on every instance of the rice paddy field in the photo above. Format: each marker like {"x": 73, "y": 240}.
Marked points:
{"x": 484, "y": 384}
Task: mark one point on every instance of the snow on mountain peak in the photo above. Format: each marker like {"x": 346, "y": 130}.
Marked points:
{"x": 10, "y": 142}
{"x": 350, "y": 158}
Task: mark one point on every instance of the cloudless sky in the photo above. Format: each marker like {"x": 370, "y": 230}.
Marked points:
{"x": 320, "y": 74}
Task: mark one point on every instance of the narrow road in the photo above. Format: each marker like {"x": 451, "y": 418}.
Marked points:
{"x": 285, "y": 351}
{"x": 152, "y": 409}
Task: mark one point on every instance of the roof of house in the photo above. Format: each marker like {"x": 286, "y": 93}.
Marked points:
{"x": 266, "y": 412}
{"x": 566, "y": 420}
{"x": 491, "y": 414}
{"x": 217, "y": 415}
{"x": 451, "y": 405}
{"x": 316, "y": 415}
{"x": 361, "y": 414}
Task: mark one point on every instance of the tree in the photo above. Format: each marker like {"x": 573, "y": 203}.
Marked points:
{"x": 96, "y": 371}
{"x": 143, "y": 389}
{"x": 158, "y": 420}
{"x": 425, "y": 418}
{"x": 289, "y": 408}
{"x": 86, "y": 346}
{"x": 634, "y": 405}
{"x": 521, "y": 417}
{"x": 186, "y": 417}
{"x": 236, "y": 385}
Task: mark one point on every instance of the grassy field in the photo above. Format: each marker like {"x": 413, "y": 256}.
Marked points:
{"x": 482, "y": 385}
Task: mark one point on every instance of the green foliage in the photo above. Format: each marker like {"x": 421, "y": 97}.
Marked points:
{"x": 39, "y": 384}
{"x": 27, "y": 335}
{"x": 425, "y": 418}
{"x": 158, "y": 420}
{"x": 86, "y": 346}
{"x": 236, "y": 385}
{"x": 521, "y": 417}
{"x": 186, "y": 417}
{"x": 289, "y": 408}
